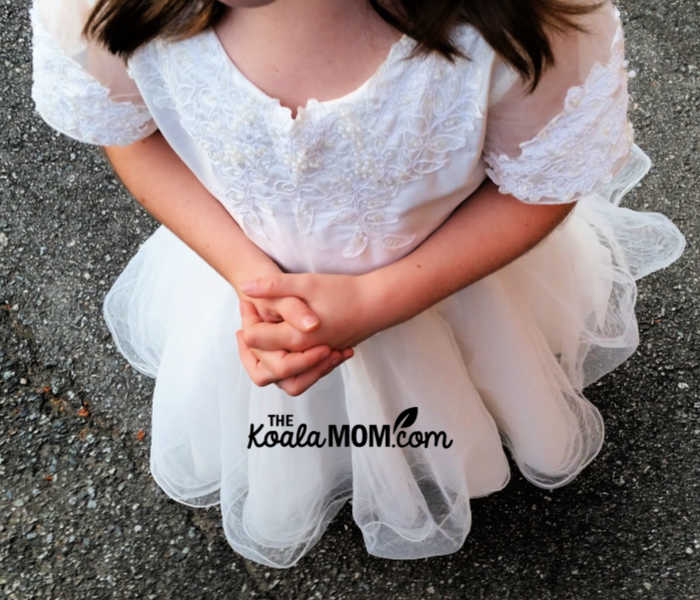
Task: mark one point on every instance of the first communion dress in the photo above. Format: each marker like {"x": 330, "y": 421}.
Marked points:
{"x": 417, "y": 421}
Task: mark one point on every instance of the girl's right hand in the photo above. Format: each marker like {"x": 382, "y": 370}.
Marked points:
{"x": 294, "y": 372}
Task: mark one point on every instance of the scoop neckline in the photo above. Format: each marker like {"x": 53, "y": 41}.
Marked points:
{"x": 285, "y": 112}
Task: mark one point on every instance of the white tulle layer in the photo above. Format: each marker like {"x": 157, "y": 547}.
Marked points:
{"x": 500, "y": 363}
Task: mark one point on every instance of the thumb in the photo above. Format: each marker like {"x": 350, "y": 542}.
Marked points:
{"x": 298, "y": 314}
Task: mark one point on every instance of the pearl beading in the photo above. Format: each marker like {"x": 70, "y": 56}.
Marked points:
{"x": 340, "y": 163}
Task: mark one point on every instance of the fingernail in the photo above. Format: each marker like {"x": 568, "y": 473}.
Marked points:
{"x": 308, "y": 322}
{"x": 335, "y": 361}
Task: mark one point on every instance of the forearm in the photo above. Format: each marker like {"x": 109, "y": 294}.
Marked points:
{"x": 486, "y": 232}
{"x": 154, "y": 174}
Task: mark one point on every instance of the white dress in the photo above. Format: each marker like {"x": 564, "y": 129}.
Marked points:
{"x": 348, "y": 186}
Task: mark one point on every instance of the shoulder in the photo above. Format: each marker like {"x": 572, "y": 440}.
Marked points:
{"x": 575, "y": 54}
{"x": 469, "y": 68}
{"x": 481, "y": 64}
{"x": 471, "y": 42}
{"x": 78, "y": 88}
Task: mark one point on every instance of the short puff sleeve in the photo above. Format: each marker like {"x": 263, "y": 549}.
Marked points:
{"x": 572, "y": 134}
{"x": 79, "y": 88}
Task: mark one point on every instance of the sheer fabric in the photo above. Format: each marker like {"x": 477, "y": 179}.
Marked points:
{"x": 350, "y": 185}
{"x": 79, "y": 88}
{"x": 572, "y": 132}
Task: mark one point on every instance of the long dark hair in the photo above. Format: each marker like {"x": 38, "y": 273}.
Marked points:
{"x": 514, "y": 28}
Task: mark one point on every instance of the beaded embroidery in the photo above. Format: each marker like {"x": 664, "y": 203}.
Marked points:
{"x": 343, "y": 160}
{"x": 573, "y": 153}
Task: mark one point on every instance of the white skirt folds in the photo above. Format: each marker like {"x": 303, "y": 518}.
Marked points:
{"x": 416, "y": 422}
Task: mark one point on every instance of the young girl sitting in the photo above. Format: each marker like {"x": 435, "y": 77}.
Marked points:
{"x": 435, "y": 184}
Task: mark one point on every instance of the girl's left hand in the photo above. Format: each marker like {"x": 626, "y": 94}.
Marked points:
{"x": 341, "y": 302}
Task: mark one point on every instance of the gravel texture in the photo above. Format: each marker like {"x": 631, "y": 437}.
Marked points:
{"x": 81, "y": 517}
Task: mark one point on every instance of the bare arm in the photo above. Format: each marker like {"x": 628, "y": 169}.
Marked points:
{"x": 171, "y": 193}
{"x": 486, "y": 232}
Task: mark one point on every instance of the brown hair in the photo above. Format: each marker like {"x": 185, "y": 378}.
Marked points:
{"x": 514, "y": 28}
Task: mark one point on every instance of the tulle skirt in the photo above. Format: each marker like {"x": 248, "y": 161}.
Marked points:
{"x": 416, "y": 422}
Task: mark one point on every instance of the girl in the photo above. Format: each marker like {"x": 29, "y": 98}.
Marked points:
{"x": 436, "y": 185}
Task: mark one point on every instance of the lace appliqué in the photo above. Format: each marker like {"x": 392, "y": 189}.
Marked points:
{"x": 73, "y": 102}
{"x": 341, "y": 163}
{"x": 573, "y": 154}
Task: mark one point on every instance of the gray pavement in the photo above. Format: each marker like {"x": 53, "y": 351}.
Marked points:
{"x": 81, "y": 518}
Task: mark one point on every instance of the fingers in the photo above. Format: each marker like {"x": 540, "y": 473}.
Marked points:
{"x": 249, "y": 314}
{"x": 281, "y": 364}
{"x": 291, "y": 309}
{"x": 276, "y": 336}
{"x": 298, "y": 384}
{"x": 270, "y": 286}
{"x": 294, "y": 384}
{"x": 297, "y": 313}
{"x": 259, "y": 375}
{"x": 267, "y": 311}
{"x": 272, "y": 369}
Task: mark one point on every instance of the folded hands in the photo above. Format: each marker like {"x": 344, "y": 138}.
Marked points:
{"x": 277, "y": 345}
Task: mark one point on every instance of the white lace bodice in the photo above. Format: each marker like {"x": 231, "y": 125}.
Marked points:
{"x": 357, "y": 182}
